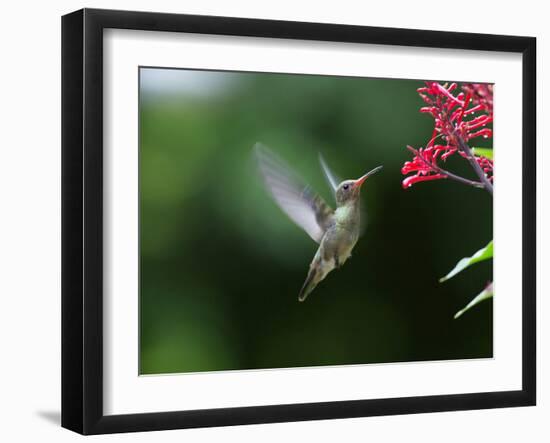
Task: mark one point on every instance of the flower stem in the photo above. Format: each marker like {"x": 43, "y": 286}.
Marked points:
{"x": 448, "y": 174}
{"x": 475, "y": 165}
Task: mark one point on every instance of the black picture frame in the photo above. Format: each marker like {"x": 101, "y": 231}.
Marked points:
{"x": 82, "y": 218}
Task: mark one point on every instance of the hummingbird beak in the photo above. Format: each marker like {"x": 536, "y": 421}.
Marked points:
{"x": 362, "y": 179}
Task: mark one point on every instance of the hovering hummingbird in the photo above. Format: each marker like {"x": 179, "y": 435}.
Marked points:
{"x": 336, "y": 231}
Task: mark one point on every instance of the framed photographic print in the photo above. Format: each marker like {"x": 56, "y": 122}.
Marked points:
{"x": 269, "y": 221}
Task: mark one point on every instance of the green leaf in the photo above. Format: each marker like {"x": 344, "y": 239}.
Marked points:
{"x": 484, "y": 152}
{"x": 483, "y": 254}
{"x": 483, "y": 295}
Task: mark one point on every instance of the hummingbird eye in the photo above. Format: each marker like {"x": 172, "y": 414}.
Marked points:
{"x": 346, "y": 186}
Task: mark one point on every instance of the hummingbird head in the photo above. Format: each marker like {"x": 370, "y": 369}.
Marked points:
{"x": 349, "y": 190}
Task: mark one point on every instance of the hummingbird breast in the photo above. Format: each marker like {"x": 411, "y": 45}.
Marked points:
{"x": 342, "y": 236}
{"x": 338, "y": 243}
{"x": 335, "y": 248}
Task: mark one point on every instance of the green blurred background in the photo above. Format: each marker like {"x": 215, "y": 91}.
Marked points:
{"x": 221, "y": 265}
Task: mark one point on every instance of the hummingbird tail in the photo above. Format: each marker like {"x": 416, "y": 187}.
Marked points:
{"x": 309, "y": 285}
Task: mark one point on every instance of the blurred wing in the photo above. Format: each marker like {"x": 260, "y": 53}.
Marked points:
{"x": 332, "y": 179}
{"x": 304, "y": 207}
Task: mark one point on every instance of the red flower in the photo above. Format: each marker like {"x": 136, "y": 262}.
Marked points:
{"x": 456, "y": 121}
{"x": 482, "y": 95}
{"x": 487, "y": 166}
{"x": 450, "y": 113}
{"x": 424, "y": 164}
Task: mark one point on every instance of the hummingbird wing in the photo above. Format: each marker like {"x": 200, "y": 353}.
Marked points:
{"x": 332, "y": 179}
{"x": 302, "y": 205}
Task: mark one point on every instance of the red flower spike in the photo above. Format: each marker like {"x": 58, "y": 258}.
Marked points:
{"x": 482, "y": 120}
{"x": 482, "y": 95}
{"x": 409, "y": 181}
{"x": 448, "y": 154}
{"x": 487, "y": 166}
{"x": 474, "y": 109}
{"x": 485, "y": 133}
{"x": 424, "y": 165}
{"x": 457, "y": 120}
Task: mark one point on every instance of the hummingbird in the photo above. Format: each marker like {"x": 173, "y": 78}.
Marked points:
{"x": 336, "y": 231}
